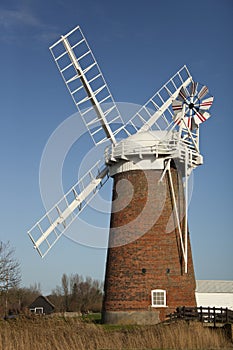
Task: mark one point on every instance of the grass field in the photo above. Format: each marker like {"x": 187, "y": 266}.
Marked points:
{"x": 59, "y": 333}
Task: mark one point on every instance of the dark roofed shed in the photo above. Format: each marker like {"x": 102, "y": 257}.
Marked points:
{"x": 41, "y": 305}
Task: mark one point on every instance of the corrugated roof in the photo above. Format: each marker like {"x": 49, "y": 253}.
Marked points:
{"x": 214, "y": 286}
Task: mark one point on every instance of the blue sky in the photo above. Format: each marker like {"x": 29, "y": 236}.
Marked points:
{"x": 139, "y": 46}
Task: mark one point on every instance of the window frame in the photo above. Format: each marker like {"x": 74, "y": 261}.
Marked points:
{"x": 36, "y": 309}
{"x": 39, "y": 310}
{"x": 164, "y": 297}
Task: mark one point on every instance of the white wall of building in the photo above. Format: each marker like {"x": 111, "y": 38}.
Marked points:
{"x": 215, "y": 299}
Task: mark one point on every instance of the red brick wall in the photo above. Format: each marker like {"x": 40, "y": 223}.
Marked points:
{"x": 127, "y": 288}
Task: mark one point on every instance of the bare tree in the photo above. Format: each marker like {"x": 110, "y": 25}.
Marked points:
{"x": 74, "y": 291}
{"x": 10, "y": 275}
{"x": 27, "y": 295}
{"x": 90, "y": 294}
{"x": 65, "y": 289}
{"x": 78, "y": 294}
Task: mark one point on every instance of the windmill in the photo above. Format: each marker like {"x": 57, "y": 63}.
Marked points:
{"x": 149, "y": 269}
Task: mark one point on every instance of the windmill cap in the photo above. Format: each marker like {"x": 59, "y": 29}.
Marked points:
{"x": 150, "y": 138}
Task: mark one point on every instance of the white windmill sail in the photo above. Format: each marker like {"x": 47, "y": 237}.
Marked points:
{"x": 53, "y": 224}
{"x": 165, "y": 111}
{"x": 87, "y": 86}
{"x": 157, "y": 113}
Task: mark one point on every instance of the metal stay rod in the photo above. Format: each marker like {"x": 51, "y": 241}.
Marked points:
{"x": 186, "y": 211}
{"x": 176, "y": 213}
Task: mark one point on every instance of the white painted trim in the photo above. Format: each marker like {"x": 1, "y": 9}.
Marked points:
{"x": 149, "y": 163}
{"x": 34, "y": 310}
{"x": 158, "y": 291}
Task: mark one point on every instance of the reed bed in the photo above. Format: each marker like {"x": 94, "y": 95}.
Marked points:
{"x": 60, "y": 333}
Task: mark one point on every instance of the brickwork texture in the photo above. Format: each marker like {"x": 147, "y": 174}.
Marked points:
{"x": 153, "y": 257}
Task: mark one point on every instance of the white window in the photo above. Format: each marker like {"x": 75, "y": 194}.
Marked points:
{"x": 37, "y": 310}
{"x": 158, "y": 298}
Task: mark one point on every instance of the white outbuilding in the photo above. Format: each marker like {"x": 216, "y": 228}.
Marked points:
{"x": 214, "y": 293}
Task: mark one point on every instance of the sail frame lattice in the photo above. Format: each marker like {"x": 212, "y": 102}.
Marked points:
{"x": 45, "y": 233}
{"x": 157, "y": 112}
{"x": 87, "y": 86}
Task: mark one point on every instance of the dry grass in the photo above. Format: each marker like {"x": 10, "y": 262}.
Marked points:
{"x": 74, "y": 334}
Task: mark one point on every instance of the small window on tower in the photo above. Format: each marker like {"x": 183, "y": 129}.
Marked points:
{"x": 158, "y": 298}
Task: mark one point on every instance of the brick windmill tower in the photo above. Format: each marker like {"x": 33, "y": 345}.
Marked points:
{"x": 149, "y": 269}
